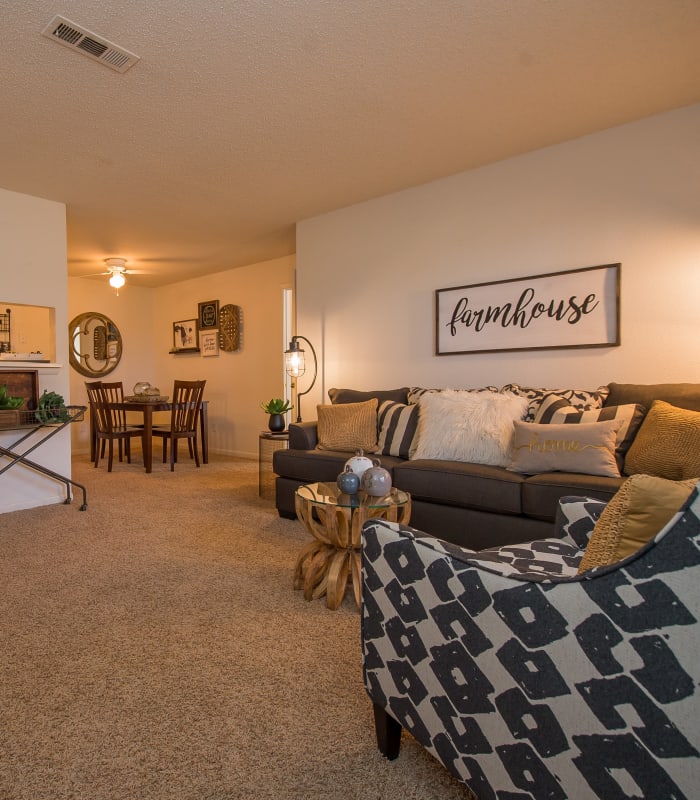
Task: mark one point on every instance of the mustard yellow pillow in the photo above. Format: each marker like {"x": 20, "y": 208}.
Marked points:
{"x": 637, "y": 512}
{"x": 667, "y": 444}
{"x": 348, "y": 426}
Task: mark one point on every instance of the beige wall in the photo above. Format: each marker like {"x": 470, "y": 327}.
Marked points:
{"x": 366, "y": 274}
{"x": 33, "y": 257}
{"x": 236, "y": 381}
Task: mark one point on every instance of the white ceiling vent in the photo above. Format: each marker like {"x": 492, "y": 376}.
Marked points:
{"x": 65, "y": 32}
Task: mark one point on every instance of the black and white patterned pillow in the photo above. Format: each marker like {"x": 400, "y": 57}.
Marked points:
{"x": 416, "y": 392}
{"x": 398, "y": 427}
{"x": 582, "y": 399}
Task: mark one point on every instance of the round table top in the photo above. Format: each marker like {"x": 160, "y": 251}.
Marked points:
{"x": 328, "y": 494}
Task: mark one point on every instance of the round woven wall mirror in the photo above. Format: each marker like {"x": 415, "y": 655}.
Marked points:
{"x": 94, "y": 344}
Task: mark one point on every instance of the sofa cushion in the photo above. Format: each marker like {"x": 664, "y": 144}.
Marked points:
{"x": 587, "y": 448}
{"x": 667, "y": 445}
{"x": 468, "y": 426}
{"x": 457, "y": 483}
{"x": 398, "y": 429}
{"x": 541, "y": 493}
{"x": 309, "y": 466}
{"x": 555, "y": 409}
{"x": 683, "y": 395}
{"x": 338, "y": 396}
{"x": 640, "y": 509}
{"x": 349, "y": 426}
{"x": 583, "y": 399}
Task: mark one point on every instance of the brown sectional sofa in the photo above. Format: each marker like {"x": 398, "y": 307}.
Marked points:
{"x": 473, "y": 505}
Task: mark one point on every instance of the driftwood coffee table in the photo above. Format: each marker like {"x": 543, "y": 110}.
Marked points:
{"x": 335, "y": 520}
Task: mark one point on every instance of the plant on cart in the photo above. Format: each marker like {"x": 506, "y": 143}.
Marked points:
{"x": 7, "y": 400}
{"x": 51, "y": 408}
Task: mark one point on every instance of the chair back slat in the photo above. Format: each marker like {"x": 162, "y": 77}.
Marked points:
{"x": 186, "y": 405}
{"x": 114, "y": 393}
{"x": 98, "y": 407}
{"x": 107, "y": 419}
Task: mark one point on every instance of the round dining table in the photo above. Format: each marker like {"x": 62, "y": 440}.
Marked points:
{"x": 146, "y": 406}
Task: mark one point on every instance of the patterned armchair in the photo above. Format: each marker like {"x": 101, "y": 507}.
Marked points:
{"x": 527, "y": 680}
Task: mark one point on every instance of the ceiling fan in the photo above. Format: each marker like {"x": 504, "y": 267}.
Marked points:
{"x": 116, "y": 269}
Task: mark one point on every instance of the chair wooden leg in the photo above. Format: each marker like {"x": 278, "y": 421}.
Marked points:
{"x": 127, "y": 450}
{"x": 173, "y": 453}
{"x": 388, "y": 732}
{"x": 110, "y": 456}
{"x": 99, "y": 446}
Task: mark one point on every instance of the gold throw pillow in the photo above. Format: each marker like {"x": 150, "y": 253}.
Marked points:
{"x": 348, "y": 426}
{"x": 667, "y": 444}
{"x": 637, "y": 512}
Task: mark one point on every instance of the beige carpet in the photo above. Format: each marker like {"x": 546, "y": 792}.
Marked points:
{"x": 153, "y": 647}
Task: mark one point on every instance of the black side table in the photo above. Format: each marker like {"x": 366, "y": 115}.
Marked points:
{"x": 267, "y": 444}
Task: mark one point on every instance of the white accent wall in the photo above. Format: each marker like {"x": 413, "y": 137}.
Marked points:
{"x": 33, "y": 270}
{"x": 366, "y": 274}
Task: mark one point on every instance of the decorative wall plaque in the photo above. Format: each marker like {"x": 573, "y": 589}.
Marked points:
{"x": 208, "y": 314}
{"x": 229, "y": 328}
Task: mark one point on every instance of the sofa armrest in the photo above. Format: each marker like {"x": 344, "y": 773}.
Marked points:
{"x": 303, "y": 435}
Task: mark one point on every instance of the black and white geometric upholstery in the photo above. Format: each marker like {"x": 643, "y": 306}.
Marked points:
{"x": 530, "y": 682}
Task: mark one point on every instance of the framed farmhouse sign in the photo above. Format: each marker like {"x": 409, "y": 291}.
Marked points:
{"x": 578, "y": 308}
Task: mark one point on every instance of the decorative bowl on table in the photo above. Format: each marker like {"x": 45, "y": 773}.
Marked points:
{"x": 144, "y": 391}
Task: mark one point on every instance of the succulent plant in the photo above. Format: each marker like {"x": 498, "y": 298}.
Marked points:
{"x": 7, "y": 401}
{"x": 276, "y": 406}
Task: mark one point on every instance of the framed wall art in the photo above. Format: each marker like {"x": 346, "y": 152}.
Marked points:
{"x": 576, "y": 308}
{"x": 209, "y": 343}
{"x": 185, "y": 335}
{"x": 208, "y": 314}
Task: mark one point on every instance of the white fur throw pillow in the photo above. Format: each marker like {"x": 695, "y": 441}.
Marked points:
{"x": 476, "y": 427}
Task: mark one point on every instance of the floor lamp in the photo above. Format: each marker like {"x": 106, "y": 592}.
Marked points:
{"x": 295, "y": 365}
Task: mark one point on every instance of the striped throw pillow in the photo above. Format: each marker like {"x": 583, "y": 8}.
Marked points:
{"x": 558, "y": 410}
{"x": 398, "y": 426}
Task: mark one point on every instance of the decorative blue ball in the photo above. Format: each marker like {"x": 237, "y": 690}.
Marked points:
{"x": 348, "y": 481}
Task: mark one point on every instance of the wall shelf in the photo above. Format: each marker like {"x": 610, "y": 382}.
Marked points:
{"x": 13, "y": 364}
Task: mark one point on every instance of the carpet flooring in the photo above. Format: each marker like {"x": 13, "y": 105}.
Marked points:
{"x": 152, "y": 647}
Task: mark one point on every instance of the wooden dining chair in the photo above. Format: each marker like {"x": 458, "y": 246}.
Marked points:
{"x": 109, "y": 423}
{"x": 184, "y": 420}
{"x": 114, "y": 391}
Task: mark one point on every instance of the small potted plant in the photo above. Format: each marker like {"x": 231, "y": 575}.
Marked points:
{"x": 276, "y": 408}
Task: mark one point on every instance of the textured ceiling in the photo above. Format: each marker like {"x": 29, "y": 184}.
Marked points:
{"x": 244, "y": 117}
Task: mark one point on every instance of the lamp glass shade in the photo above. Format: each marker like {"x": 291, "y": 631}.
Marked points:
{"x": 117, "y": 280}
{"x": 294, "y": 361}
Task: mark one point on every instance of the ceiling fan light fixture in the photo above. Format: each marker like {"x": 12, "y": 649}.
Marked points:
{"x": 116, "y": 267}
{"x": 117, "y": 279}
